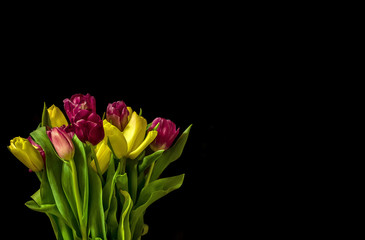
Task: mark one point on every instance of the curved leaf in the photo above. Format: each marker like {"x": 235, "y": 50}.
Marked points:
{"x": 124, "y": 231}
{"x": 96, "y": 212}
{"x": 170, "y": 155}
{"x": 151, "y": 193}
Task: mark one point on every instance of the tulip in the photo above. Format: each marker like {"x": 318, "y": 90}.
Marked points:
{"x": 133, "y": 140}
{"x": 79, "y": 102}
{"x": 88, "y": 127}
{"x": 117, "y": 114}
{"x": 166, "y": 134}
{"x": 103, "y": 153}
{"x": 24, "y": 151}
{"x": 62, "y": 143}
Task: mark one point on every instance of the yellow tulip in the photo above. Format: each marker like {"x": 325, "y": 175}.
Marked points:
{"x": 103, "y": 153}
{"x": 56, "y": 116}
{"x": 25, "y": 152}
{"x": 132, "y": 141}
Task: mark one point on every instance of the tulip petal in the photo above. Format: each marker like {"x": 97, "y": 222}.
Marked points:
{"x": 134, "y": 131}
{"x": 103, "y": 154}
{"x": 117, "y": 139}
{"x": 149, "y": 138}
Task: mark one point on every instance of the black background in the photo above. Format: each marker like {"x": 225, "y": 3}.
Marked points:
{"x": 178, "y": 94}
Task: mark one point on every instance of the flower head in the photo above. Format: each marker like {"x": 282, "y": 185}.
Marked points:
{"x": 88, "y": 127}
{"x": 166, "y": 134}
{"x": 24, "y": 151}
{"x": 117, "y": 114}
{"x": 79, "y": 102}
{"x": 133, "y": 140}
{"x": 62, "y": 142}
{"x": 56, "y": 116}
{"x": 85, "y": 123}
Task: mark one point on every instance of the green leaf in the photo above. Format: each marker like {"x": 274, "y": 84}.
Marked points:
{"x": 54, "y": 166}
{"x": 122, "y": 182}
{"x": 46, "y": 121}
{"x": 60, "y": 228}
{"x": 68, "y": 188}
{"x": 148, "y": 160}
{"x": 111, "y": 220}
{"x": 124, "y": 231}
{"x": 108, "y": 189}
{"x": 96, "y": 211}
{"x": 46, "y": 195}
{"x": 44, "y": 208}
{"x": 170, "y": 155}
{"x": 82, "y": 175}
{"x": 132, "y": 178}
{"x": 149, "y": 194}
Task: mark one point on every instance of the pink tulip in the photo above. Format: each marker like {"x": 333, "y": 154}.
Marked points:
{"x": 62, "y": 143}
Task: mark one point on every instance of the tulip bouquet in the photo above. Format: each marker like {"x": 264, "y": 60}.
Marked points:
{"x": 98, "y": 176}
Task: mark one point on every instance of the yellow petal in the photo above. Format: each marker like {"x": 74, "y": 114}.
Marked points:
{"x": 135, "y": 131}
{"x": 103, "y": 154}
{"x": 56, "y": 116}
{"x": 141, "y": 134}
{"x": 116, "y": 138}
{"x": 149, "y": 138}
{"x": 130, "y": 111}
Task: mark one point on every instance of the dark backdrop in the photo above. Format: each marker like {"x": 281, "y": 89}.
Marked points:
{"x": 177, "y": 94}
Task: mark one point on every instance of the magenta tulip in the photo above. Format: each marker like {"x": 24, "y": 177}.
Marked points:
{"x": 166, "y": 134}
{"x": 117, "y": 114}
{"x": 62, "y": 143}
{"x": 85, "y": 123}
{"x": 88, "y": 127}
{"x": 79, "y": 102}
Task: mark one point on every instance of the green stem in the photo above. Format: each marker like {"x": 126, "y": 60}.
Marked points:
{"x": 78, "y": 199}
{"x": 132, "y": 178}
{"x": 149, "y": 174}
{"x": 122, "y": 164}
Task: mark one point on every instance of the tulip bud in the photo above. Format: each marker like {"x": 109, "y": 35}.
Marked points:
{"x": 166, "y": 134}
{"x": 56, "y": 116}
{"x": 62, "y": 142}
{"x": 24, "y": 151}
{"x": 117, "y": 114}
